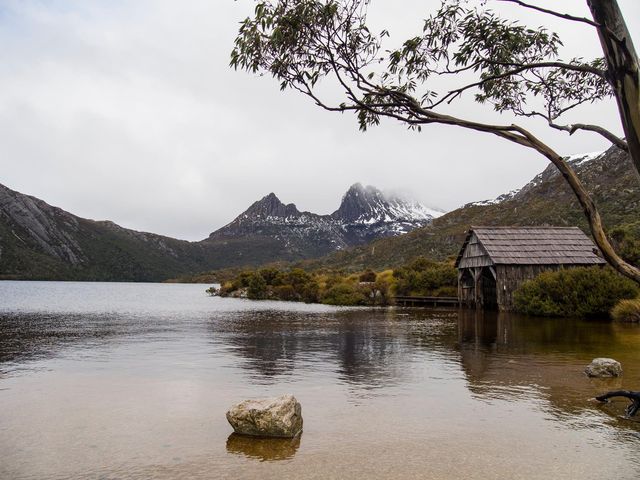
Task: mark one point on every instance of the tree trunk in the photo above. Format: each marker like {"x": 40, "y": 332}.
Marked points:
{"x": 623, "y": 67}
{"x": 589, "y": 208}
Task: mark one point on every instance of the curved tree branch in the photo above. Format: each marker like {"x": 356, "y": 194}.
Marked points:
{"x": 555, "y": 64}
{"x": 523, "y": 137}
{"x": 417, "y": 115}
{"x": 573, "y": 128}
{"x": 633, "y": 408}
{"x": 453, "y": 94}
{"x": 564, "y": 16}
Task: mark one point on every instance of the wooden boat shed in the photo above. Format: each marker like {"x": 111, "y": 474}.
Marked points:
{"x": 494, "y": 261}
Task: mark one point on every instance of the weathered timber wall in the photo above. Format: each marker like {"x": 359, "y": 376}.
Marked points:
{"x": 474, "y": 255}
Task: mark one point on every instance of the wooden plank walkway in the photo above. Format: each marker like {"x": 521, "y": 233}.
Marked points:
{"x": 406, "y": 301}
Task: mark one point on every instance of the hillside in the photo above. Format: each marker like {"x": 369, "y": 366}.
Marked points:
{"x": 545, "y": 200}
{"x": 39, "y": 241}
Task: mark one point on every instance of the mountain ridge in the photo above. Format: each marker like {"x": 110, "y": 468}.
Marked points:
{"x": 40, "y": 241}
{"x": 545, "y": 200}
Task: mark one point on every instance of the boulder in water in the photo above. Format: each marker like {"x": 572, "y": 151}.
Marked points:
{"x": 604, "y": 367}
{"x": 267, "y": 417}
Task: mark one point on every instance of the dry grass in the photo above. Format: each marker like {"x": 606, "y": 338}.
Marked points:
{"x": 626, "y": 311}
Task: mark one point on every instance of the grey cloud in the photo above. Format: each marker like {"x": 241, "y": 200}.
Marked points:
{"x": 128, "y": 111}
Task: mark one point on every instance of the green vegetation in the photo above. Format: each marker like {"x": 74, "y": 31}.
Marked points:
{"x": 574, "y": 292}
{"x": 421, "y": 277}
{"x": 272, "y": 283}
{"x": 626, "y": 311}
{"x": 427, "y": 278}
{"x": 626, "y": 239}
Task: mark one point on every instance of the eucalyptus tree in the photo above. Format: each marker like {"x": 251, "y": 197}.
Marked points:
{"x": 508, "y": 66}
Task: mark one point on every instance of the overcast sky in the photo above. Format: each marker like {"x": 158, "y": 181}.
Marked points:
{"x": 127, "y": 110}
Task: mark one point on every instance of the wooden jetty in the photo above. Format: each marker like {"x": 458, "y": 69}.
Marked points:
{"x": 407, "y": 301}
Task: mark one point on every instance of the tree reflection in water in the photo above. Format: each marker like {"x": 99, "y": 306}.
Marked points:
{"x": 365, "y": 348}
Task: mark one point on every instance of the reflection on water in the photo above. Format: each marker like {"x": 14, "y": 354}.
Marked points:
{"x": 364, "y": 348}
{"x": 263, "y": 449}
{"x": 133, "y": 381}
{"x": 505, "y": 355}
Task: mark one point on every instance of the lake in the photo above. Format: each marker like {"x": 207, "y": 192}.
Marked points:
{"x": 132, "y": 381}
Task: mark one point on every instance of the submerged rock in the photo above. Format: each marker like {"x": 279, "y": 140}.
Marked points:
{"x": 604, "y": 367}
{"x": 267, "y": 417}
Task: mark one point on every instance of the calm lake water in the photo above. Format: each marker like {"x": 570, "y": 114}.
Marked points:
{"x": 132, "y": 381}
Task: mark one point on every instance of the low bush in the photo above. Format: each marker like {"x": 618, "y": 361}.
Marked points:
{"x": 421, "y": 277}
{"x": 286, "y": 293}
{"x": 369, "y": 276}
{"x": 426, "y": 278}
{"x": 626, "y": 311}
{"x": 344, "y": 294}
{"x": 626, "y": 240}
{"x": 574, "y": 292}
{"x": 257, "y": 288}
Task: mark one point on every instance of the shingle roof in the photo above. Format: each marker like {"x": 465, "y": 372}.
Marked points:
{"x": 536, "y": 245}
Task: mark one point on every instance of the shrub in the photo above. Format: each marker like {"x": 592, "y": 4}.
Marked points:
{"x": 423, "y": 277}
{"x": 226, "y": 288}
{"x": 257, "y": 288}
{"x": 626, "y": 240}
{"x": 270, "y": 275}
{"x": 286, "y": 293}
{"x": 446, "y": 291}
{"x": 382, "y": 294}
{"x": 369, "y": 276}
{"x": 574, "y": 292}
{"x": 297, "y": 278}
{"x": 212, "y": 291}
{"x": 344, "y": 294}
{"x": 627, "y": 311}
{"x": 311, "y": 292}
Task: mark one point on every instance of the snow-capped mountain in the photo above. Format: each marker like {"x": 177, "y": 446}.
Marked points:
{"x": 546, "y": 200}
{"x": 578, "y": 162}
{"x": 364, "y": 214}
{"x": 368, "y": 205}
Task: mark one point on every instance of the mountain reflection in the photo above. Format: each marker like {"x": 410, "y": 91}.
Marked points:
{"x": 365, "y": 348}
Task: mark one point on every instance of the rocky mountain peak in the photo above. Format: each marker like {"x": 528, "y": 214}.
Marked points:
{"x": 360, "y": 203}
{"x": 270, "y": 206}
{"x": 368, "y": 205}
{"x": 365, "y": 214}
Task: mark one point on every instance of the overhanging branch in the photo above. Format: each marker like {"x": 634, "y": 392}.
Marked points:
{"x": 518, "y": 68}
{"x": 573, "y": 128}
{"x": 564, "y": 16}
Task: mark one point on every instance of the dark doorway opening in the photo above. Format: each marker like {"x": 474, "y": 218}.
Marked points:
{"x": 489, "y": 290}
